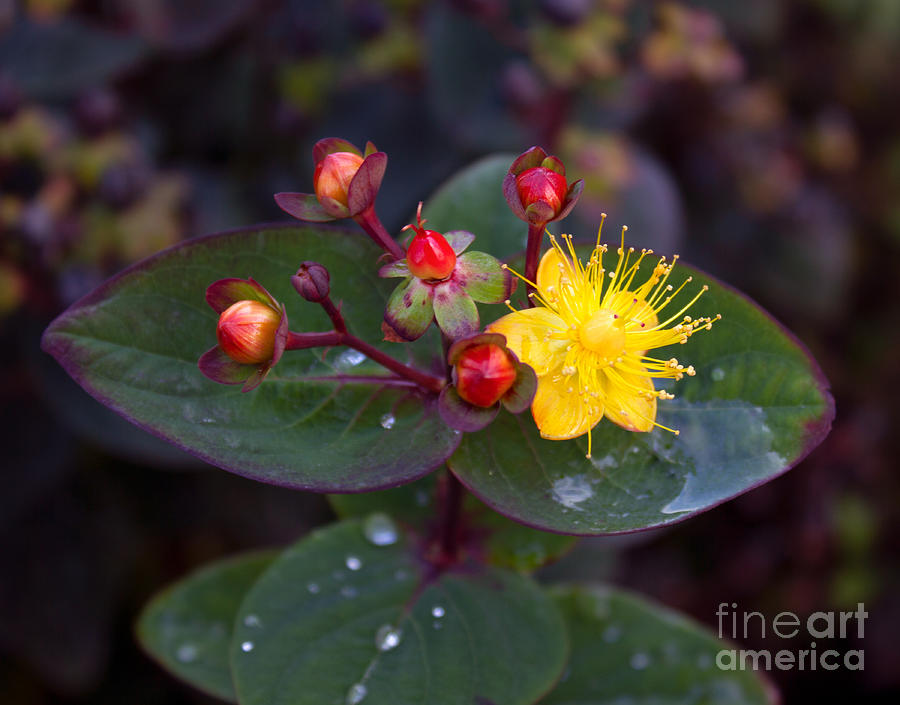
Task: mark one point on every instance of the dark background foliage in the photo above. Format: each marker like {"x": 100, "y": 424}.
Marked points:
{"x": 758, "y": 139}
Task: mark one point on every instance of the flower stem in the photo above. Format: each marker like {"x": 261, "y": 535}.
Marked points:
{"x": 532, "y": 255}
{"x": 450, "y": 502}
{"x": 423, "y": 379}
{"x": 369, "y": 222}
{"x": 304, "y": 341}
{"x": 341, "y": 336}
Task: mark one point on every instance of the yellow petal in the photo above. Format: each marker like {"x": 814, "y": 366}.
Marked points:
{"x": 625, "y": 405}
{"x": 530, "y": 334}
{"x": 549, "y": 270}
{"x": 560, "y": 411}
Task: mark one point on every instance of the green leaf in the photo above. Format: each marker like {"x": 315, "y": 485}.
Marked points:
{"x": 473, "y": 200}
{"x": 187, "y": 627}
{"x": 322, "y": 420}
{"x": 758, "y": 404}
{"x": 339, "y": 619}
{"x": 625, "y": 649}
{"x": 487, "y": 535}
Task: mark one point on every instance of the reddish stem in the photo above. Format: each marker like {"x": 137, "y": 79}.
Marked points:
{"x": 369, "y": 222}
{"x": 533, "y": 255}
{"x": 341, "y": 336}
{"x": 423, "y": 379}
{"x": 450, "y": 501}
{"x": 303, "y": 341}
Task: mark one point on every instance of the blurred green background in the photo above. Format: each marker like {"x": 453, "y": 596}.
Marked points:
{"x": 761, "y": 140}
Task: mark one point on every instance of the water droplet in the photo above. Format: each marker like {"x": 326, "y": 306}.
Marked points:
{"x": 571, "y": 491}
{"x": 251, "y": 620}
{"x": 349, "y": 358}
{"x": 312, "y": 588}
{"x": 247, "y": 646}
{"x": 437, "y": 611}
{"x": 388, "y": 421}
{"x": 387, "y": 638}
{"x": 186, "y": 653}
{"x": 437, "y": 625}
{"x": 380, "y": 529}
{"x": 353, "y": 563}
{"x": 612, "y": 634}
{"x": 348, "y": 591}
{"x": 640, "y": 661}
{"x": 356, "y": 693}
{"x": 717, "y": 374}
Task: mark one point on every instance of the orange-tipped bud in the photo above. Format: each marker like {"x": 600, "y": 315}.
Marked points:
{"x": 246, "y": 331}
{"x": 542, "y": 184}
{"x": 333, "y": 176}
{"x": 484, "y": 373}
{"x": 430, "y": 256}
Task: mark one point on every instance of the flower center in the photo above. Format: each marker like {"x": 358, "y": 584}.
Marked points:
{"x": 604, "y": 334}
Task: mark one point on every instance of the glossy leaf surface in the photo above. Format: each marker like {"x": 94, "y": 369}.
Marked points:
{"x": 187, "y": 627}
{"x": 625, "y": 649}
{"x": 322, "y": 420}
{"x": 338, "y": 619}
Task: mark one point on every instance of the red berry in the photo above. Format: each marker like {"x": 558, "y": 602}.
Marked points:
{"x": 484, "y": 373}
{"x": 430, "y": 256}
{"x": 542, "y": 184}
{"x": 246, "y": 331}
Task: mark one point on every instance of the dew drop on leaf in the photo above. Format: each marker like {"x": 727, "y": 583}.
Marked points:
{"x": 640, "y": 661}
{"x": 388, "y": 421}
{"x": 356, "y": 693}
{"x": 186, "y": 653}
{"x": 718, "y": 374}
{"x": 380, "y": 530}
{"x": 437, "y": 611}
{"x": 348, "y": 591}
{"x": 247, "y": 647}
{"x": 312, "y": 588}
{"x": 251, "y": 620}
{"x": 387, "y": 637}
{"x": 353, "y": 563}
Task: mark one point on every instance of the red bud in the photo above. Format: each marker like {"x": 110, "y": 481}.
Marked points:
{"x": 484, "y": 373}
{"x": 246, "y": 331}
{"x": 542, "y": 184}
{"x": 333, "y": 175}
{"x": 430, "y": 256}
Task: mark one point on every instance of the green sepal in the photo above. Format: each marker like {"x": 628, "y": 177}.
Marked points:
{"x": 399, "y": 268}
{"x": 455, "y": 310}
{"x": 483, "y": 278}
{"x": 459, "y": 240}
{"x": 410, "y": 309}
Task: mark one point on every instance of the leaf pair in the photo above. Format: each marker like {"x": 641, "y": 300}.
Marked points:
{"x": 337, "y": 618}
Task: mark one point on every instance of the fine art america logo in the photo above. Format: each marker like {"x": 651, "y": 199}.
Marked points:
{"x": 819, "y": 628}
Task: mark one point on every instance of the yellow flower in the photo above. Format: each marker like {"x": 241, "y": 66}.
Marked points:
{"x": 588, "y": 339}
